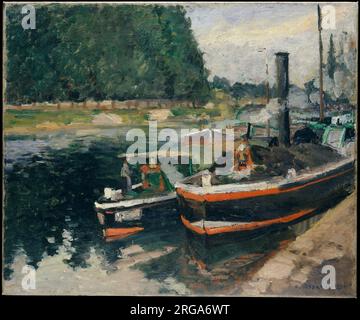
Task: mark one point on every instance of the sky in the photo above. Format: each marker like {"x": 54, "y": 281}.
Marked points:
{"x": 233, "y": 36}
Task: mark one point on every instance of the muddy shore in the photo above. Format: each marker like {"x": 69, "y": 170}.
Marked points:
{"x": 296, "y": 270}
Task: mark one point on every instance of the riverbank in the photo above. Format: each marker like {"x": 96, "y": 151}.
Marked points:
{"x": 44, "y": 117}
{"x": 36, "y": 121}
{"x": 296, "y": 269}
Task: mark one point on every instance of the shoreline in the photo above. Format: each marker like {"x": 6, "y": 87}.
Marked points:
{"x": 68, "y": 128}
{"x": 296, "y": 270}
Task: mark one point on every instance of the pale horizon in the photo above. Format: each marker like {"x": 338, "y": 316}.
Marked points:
{"x": 230, "y": 36}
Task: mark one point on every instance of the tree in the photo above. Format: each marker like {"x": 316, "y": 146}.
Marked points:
{"x": 331, "y": 60}
{"x": 309, "y": 88}
{"x": 221, "y": 83}
{"x": 80, "y": 52}
{"x": 250, "y": 90}
{"x": 236, "y": 90}
{"x": 31, "y": 74}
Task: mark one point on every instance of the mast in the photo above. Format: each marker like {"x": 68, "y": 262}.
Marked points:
{"x": 321, "y": 66}
{"x": 267, "y": 99}
{"x": 267, "y": 84}
{"x": 267, "y": 88}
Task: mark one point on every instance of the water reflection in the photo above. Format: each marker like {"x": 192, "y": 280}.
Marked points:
{"x": 49, "y": 196}
{"x": 52, "y": 193}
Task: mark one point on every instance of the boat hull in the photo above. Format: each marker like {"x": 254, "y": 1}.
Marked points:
{"x": 250, "y": 212}
{"x": 122, "y": 222}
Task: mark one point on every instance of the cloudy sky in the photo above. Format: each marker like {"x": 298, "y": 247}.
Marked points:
{"x": 231, "y": 36}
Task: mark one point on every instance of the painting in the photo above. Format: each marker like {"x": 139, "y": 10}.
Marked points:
{"x": 180, "y": 149}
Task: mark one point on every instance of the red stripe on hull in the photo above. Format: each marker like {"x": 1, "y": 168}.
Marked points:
{"x": 215, "y": 197}
{"x": 111, "y": 234}
{"x": 245, "y": 226}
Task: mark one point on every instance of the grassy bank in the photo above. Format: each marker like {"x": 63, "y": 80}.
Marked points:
{"x": 34, "y": 120}
{"x": 221, "y": 106}
{"x": 37, "y": 118}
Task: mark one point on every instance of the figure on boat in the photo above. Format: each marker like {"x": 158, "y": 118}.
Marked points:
{"x": 122, "y": 212}
{"x": 126, "y": 175}
{"x": 271, "y": 186}
{"x": 243, "y": 158}
{"x": 152, "y": 178}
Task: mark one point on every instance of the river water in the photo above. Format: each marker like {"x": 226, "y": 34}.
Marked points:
{"x": 51, "y": 183}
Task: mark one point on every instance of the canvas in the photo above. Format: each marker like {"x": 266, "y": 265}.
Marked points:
{"x": 187, "y": 149}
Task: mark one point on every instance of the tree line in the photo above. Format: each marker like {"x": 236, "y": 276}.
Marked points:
{"x": 339, "y": 72}
{"x": 100, "y": 52}
{"x": 242, "y": 90}
{"x": 339, "y": 77}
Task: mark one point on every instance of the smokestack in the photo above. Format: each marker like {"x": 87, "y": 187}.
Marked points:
{"x": 282, "y": 77}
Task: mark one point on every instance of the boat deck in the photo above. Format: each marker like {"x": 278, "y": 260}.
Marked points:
{"x": 143, "y": 201}
{"x": 275, "y": 162}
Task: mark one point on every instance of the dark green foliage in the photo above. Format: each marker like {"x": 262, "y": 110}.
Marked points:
{"x": 221, "y": 83}
{"x": 98, "y": 52}
{"x": 309, "y": 88}
{"x": 331, "y": 60}
{"x": 242, "y": 90}
{"x": 236, "y": 90}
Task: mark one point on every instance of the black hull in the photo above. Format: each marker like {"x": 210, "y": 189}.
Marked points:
{"x": 223, "y": 238}
{"x": 270, "y": 211}
{"x": 213, "y": 251}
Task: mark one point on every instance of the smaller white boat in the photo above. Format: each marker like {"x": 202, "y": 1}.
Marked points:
{"x": 122, "y": 215}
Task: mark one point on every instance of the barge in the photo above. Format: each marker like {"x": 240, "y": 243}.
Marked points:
{"x": 281, "y": 184}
